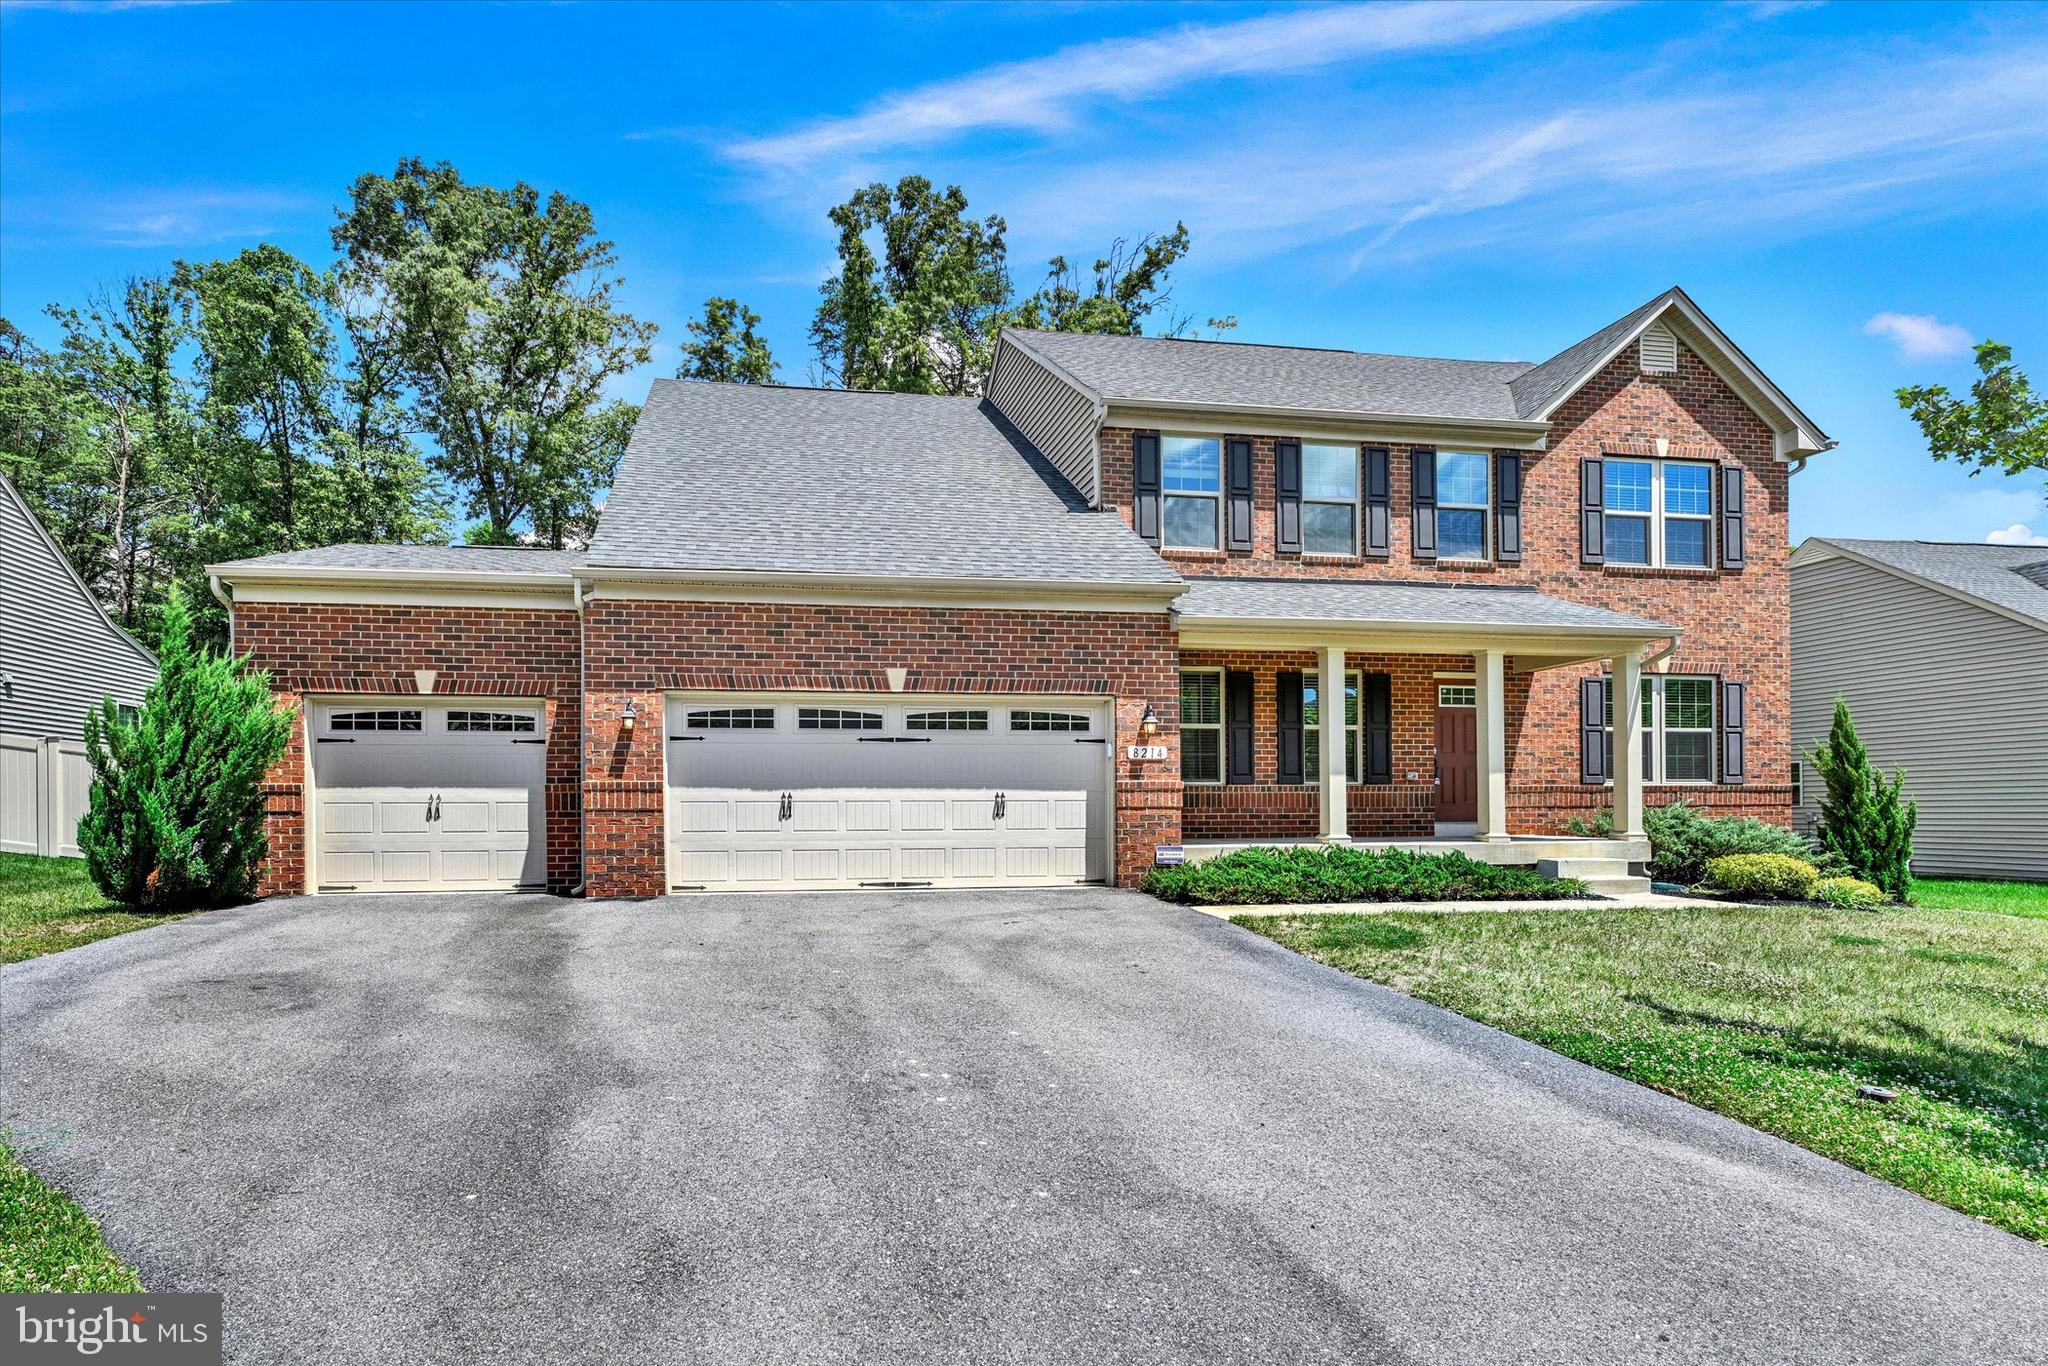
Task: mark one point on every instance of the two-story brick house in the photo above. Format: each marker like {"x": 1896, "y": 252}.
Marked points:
{"x": 832, "y": 639}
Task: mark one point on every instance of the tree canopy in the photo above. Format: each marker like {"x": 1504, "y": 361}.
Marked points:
{"x": 724, "y": 346}
{"x": 2002, "y": 426}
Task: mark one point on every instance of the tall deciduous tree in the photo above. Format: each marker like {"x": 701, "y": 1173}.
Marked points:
{"x": 1126, "y": 286}
{"x": 918, "y": 295}
{"x": 2002, "y": 426}
{"x": 724, "y": 346}
{"x": 498, "y": 308}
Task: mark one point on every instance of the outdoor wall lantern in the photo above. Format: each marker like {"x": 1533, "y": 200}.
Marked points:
{"x": 626, "y": 717}
{"x": 1148, "y": 724}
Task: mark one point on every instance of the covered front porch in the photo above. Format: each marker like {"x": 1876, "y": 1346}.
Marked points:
{"x": 1450, "y": 695}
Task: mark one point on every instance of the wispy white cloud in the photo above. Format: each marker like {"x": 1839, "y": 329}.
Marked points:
{"x": 1920, "y": 336}
{"x": 2019, "y": 533}
{"x": 1048, "y": 94}
{"x": 1778, "y": 151}
{"x": 165, "y": 216}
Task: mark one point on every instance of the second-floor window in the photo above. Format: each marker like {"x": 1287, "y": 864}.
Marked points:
{"x": 1659, "y": 512}
{"x": 1462, "y": 504}
{"x": 1329, "y": 500}
{"x": 1191, "y": 482}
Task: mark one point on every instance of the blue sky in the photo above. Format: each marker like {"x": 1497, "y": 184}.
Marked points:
{"x": 1855, "y": 192}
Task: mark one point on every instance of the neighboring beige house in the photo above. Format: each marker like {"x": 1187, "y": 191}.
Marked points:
{"x": 59, "y": 655}
{"x": 1942, "y": 652}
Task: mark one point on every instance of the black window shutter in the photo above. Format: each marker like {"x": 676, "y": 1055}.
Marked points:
{"x": 1731, "y": 517}
{"x": 1507, "y": 506}
{"x": 1238, "y": 515}
{"x": 1145, "y": 485}
{"x": 1734, "y": 756}
{"x": 1422, "y": 500}
{"x": 1594, "y": 765}
{"x": 1376, "y": 700}
{"x": 1379, "y": 499}
{"x": 1237, "y": 725}
{"x": 1290, "y": 727}
{"x": 1593, "y": 513}
{"x": 1287, "y": 497}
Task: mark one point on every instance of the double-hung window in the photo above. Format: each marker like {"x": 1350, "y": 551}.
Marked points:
{"x": 1201, "y": 726}
{"x": 1463, "y": 483}
{"x": 1191, "y": 483}
{"x": 1678, "y": 728}
{"x": 1329, "y": 500}
{"x": 1658, "y": 512}
{"x": 1312, "y": 733}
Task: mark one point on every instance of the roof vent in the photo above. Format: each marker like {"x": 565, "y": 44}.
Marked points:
{"x": 1660, "y": 350}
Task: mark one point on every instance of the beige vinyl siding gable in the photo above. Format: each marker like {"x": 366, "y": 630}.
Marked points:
{"x": 58, "y": 651}
{"x": 1950, "y": 691}
{"x": 1054, "y": 416}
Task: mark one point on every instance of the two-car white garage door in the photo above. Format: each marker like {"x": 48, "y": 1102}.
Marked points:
{"x": 870, "y": 792}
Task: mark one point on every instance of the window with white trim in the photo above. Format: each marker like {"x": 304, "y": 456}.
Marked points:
{"x": 1191, "y": 485}
{"x": 1051, "y": 720}
{"x": 1678, "y": 728}
{"x": 1201, "y": 725}
{"x": 1312, "y": 729}
{"x": 837, "y": 718}
{"x": 1329, "y": 499}
{"x": 392, "y": 719}
{"x": 1658, "y": 512}
{"x": 508, "y": 721}
{"x": 947, "y": 720}
{"x": 731, "y": 718}
{"x": 1464, "y": 485}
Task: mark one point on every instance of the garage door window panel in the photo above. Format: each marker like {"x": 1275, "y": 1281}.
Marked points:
{"x": 1051, "y": 720}
{"x": 837, "y": 718}
{"x": 390, "y": 719}
{"x": 492, "y": 722}
{"x": 946, "y": 720}
{"x": 731, "y": 718}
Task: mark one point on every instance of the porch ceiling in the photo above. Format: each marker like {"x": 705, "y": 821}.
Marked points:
{"x": 1402, "y": 617}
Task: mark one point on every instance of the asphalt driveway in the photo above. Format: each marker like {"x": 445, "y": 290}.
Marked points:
{"x": 1058, "y": 1127}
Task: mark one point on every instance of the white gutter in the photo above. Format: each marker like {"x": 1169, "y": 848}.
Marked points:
{"x": 598, "y": 575}
{"x": 1524, "y": 426}
{"x": 440, "y": 578}
{"x": 219, "y": 594}
{"x": 1423, "y": 628}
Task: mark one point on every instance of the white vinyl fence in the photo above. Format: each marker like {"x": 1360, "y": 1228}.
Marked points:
{"x": 43, "y": 787}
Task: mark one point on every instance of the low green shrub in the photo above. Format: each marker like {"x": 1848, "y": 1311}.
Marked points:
{"x": 1304, "y": 873}
{"x": 1848, "y": 893}
{"x": 1683, "y": 842}
{"x": 1774, "y": 877}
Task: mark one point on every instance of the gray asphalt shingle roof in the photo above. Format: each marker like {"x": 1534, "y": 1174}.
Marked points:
{"x": 2014, "y": 577}
{"x": 739, "y": 478}
{"x": 1162, "y": 369}
{"x": 1367, "y": 601}
{"x": 1537, "y": 386}
{"x": 454, "y": 559}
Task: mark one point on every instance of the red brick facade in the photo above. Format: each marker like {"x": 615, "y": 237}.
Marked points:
{"x": 1737, "y": 623}
{"x": 605, "y": 800}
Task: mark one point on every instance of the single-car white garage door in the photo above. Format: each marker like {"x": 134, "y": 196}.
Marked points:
{"x": 428, "y": 796}
{"x": 865, "y": 792}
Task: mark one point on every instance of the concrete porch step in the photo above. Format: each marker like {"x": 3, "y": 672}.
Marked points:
{"x": 1602, "y": 876}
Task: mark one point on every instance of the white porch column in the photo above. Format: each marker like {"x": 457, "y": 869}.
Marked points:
{"x": 1490, "y": 719}
{"x": 1330, "y": 741}
{"x": 1627, "y": 682}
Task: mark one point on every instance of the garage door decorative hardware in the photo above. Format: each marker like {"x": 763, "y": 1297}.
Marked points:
{"x": 434, "y": 807}
{"x": 334, "y": 740}
{"x": 686, "y": 737}
{"x": 1090, "y": 740}
{"x": 686, "y": 887}
{"x": 529, "y": 742}
{"x": 1001, "y": 804}
{"x": 788, "y": 807}
{"x": 895, "y": 884}
{"x": 895, "y": 739}
{"x": 337, "y": 886}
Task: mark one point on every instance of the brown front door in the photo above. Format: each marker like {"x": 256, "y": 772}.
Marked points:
{"x": 1457, "y": 764}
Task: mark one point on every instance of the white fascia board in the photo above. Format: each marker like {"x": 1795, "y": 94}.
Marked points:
{"x": 876, "y": 590}
{"x": 1410, "y": 637}
{"x": 1398, "y": 429}
{"x": 1796, "y": 437}
{"x": 395, "y": 587}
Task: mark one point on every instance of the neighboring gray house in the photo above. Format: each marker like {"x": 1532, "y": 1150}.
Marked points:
{"x": 1942, "y": 652}
{"x": 59, "y": 655}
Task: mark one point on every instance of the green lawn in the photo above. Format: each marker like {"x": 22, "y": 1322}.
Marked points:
{"x": 1973, "y": 894}
{"x": 1771, "y": 1016}
{"x": 48, "y": 1245}
{"x": 47, "y": 904}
